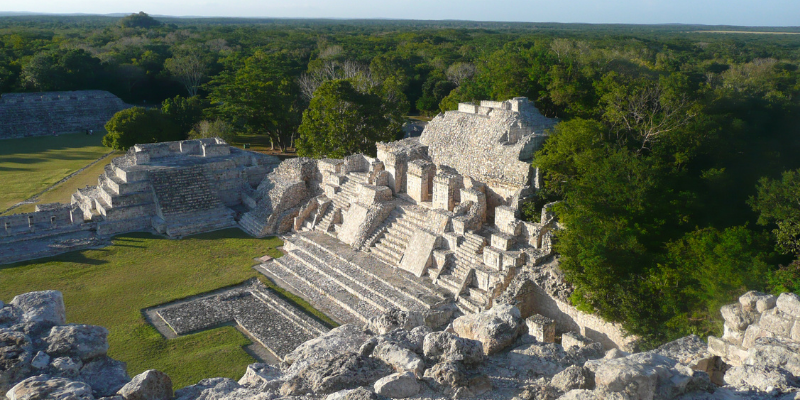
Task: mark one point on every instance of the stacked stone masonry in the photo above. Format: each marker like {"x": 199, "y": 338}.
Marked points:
{"x": 48, "y": 113}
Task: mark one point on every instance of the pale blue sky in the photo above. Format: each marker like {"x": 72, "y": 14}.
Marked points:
{"x": 712, "y": 12}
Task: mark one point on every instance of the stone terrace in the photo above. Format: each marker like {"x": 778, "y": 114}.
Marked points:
{"x": 263, "y": 316}
{"x": 41, "y": 114}
{"x": 349, "y": 286}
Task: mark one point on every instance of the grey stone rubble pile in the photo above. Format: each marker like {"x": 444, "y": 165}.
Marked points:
{"x": 48, "y": 113}
{"x": 42, "y": 357}
{"x": 395, "y": 355}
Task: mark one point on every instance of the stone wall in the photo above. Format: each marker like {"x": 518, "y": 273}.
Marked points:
{"x": 48, "y": 113}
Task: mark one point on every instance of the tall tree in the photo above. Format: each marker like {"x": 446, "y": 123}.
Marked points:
{"x": 189, "y": 69}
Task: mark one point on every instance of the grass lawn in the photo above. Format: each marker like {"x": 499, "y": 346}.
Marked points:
{"x": 110, "y": 287}
{"x": 30, "y": 165}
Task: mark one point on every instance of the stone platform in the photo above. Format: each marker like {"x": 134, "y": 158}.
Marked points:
{"x": 256, "y": 311}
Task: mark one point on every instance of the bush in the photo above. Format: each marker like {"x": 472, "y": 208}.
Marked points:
{"x": 139, "y": 125}
{"x": 209, "y": 129}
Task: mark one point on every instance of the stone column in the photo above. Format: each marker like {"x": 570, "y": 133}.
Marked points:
{"x": 445, "y": 186}
{"x": 420, "y": 180}
{"x": 396, "y": 164}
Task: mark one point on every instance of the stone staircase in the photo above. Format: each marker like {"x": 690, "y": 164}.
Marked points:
{"x": 467, "y": 256}
{"x": 346, "y": 291}
{"x": 341, "y": 201}
{"x": 391, "y": 239}
{"x": 187, "y": 204}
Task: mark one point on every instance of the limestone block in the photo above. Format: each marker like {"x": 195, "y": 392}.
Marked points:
{"x": 752, "y": 333}
{"x": 570, "y": 339}
{"x": 789, "y": 303}
{"x": 757, "y": 301}
{"x": 417, "y": 256}
{"x": 502, "y": 241}
{"x": 141, "y": 157}
{"x": 444, "y": 190}
{"x": 777, "y": 323}
{"x": 542, "y": 328}
{"x": 738, "y": 318}
{"x": 717, "y": 346}
{"x": 216, "y": 150}
{"x": 450, "y": 240}
{"x": 796, "y": 331}
{"x": 506, "y": 221}
{"x": 438, "y": 221}
{"x": 732, "y": 336}
{"x": 513, "y": 259}
{"x": 330, "y": 190}
{"x": 460, "y": 225}
{"x": 190, "y": 147}
{"x": 476, "y": 197}
{"x": 336, "y": 179}
{"x": 368, "y": 194}
{"x": 419, "y": 183}
{"x": 493, "y": 258}
{"x": 468, "y": 108}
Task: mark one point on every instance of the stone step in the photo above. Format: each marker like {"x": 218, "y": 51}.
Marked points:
{"x": 283, "y": 278}
{"x": 448, "y": 282}
{"x": 348, "y": 308}
{"x": 385, "y": 295}
{"x": 420, "y": 291}
{"x": 327, "y": 273}
{"x": 467, "y": 305}
{"x": 387, "y": 254}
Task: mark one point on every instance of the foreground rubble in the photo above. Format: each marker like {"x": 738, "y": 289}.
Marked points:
{"x": 43, "y": 358}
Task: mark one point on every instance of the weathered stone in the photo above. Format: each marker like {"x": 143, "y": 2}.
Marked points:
{"x": 776, "y": 322}
{"x": 67, "y": 367}
{"x": 43, "y": 309}
{"x": 397, "y": 386}
{"x": 82, "y": 341}
{"x": 542, "y": 328}
{"x": 41, "y": 360}
{"x": 582, "y": 394}
{"x": 738, "y": 318}
{"x": 539, "y": 392}
{"x": 775, "y": 353}
{"x": 479, "y": 385}
{"x": 688, "y": 350}
{"x": 399, "y": 358}
{"x": 43, "y": 387}
{"x": 789, "y": 303}
{"x": 732, "y": 336}
{"x": 448, "y": 373}
{"x": 15, "y": 358}
{"x": 574, "y": 339}
{"x": 765, "y": 379}
{"x": 495, "y": 329}
{"x": 647, "y": 376}
{"x": 444, "y": 346}
{"x": 757, "y": 301}
{"x": 149, "y": 385}
{"x": 213, "y": 388}
{"x": 344, "y": 339}
{"x": 264, "y": 376}
{"x": 574, "y": 377}
{"x": 105, "y": 375}
{"x": 361, "y": 393}
{"x": 343, "y": 371}
{"x": 753, "y": 333}
{"x": 10, "y": 315}
{"x": 394, "y": 319}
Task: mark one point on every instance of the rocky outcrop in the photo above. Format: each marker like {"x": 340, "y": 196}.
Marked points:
{"x": 408, "y": 361}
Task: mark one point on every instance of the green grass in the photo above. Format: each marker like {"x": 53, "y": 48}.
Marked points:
{"x": 110, "y": 287}
{"x": 30, "y": 165}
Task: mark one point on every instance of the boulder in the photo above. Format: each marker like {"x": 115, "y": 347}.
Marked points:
{"x": 574, "y": 339}
{"x": 10, "y": 315}
{"x": 448, "y": 373}
{"x": 212, "y": 388}
{"x": 395, "y": 319}
{"x": 495, "y": 328}
{"x": 81, "y": 341}
{"x": 646, "y": 376}
{"x": 573, "y": 377}
{"x": 775, "y": 353}
{"x": 539, "y": 392}
{"x": 105, "y": 375}
{"x": 40, "y": 361}
{"x": 15, "y": 358}
{"x": 67, "y": 367}
{"x": 343, "y": 339}
{"x": 789, "y": 303}
{"x": 690, "y": 351}
{"x": 736, "y": 317}
{"x": 444, "y": 346}
{"x": 765, "y": 379}
{"x": 43, "y": 387}
{"x": 397, "y": 386}
{"x": 41, "y": 309}
{"x": 399, "y": 358}
{"x": 361, "y": 393}
{"x": 582, "y": 394}
{"x": 343, "y": 371}
{"x": 757, "y": 301}
{"x": 149, "y": 385}
{"x": 263, "y": 376}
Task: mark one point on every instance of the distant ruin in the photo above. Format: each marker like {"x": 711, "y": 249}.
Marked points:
{"x": 48, "y": 113}
{"x": 431, "y": 224}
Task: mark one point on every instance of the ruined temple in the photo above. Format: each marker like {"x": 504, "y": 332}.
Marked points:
{"x": 48, "y": 113}
{"x": 430, "y": 224}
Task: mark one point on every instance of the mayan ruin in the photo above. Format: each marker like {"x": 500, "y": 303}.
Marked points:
{"x": 48, "y": 113}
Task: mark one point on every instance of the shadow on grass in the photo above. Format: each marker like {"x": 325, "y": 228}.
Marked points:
{"x": 76, "y": 256}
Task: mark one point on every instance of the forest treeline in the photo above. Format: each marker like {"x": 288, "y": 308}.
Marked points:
{"x": 675, "y": 162}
